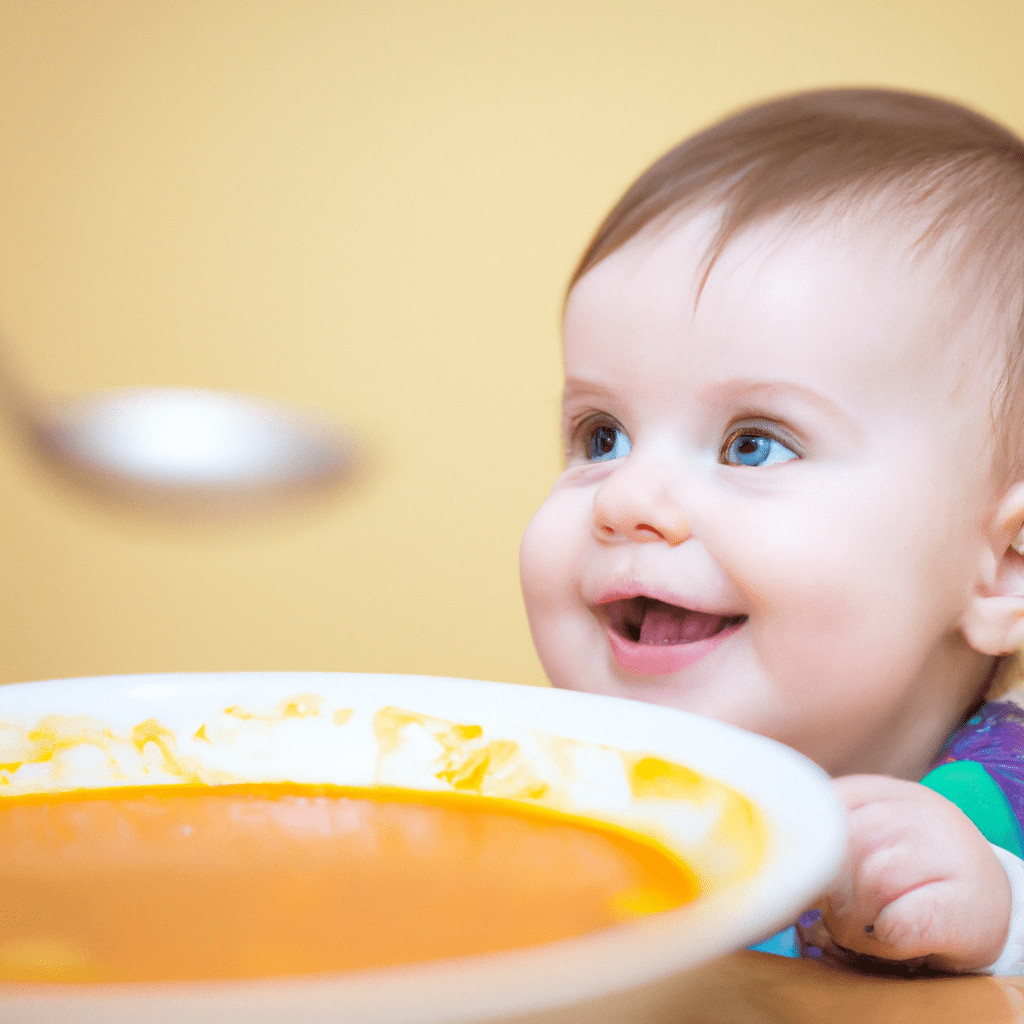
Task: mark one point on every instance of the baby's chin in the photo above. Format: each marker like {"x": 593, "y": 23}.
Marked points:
{"x": 599, "y": 673}
{"x": 698, "y": 693}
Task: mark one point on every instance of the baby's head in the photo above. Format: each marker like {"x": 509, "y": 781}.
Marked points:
{"x": 793, "y": 413}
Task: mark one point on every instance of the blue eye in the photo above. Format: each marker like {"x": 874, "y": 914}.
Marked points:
{"x": 756, "y": 450}
{"x": 606, "y": 442}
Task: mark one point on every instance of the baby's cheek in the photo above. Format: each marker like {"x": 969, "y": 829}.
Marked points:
{"x": 546, "y": 571}
{"x": 538, "y": 559}
{"x": 549, "y": 550}
{"x": 775, "y": 547}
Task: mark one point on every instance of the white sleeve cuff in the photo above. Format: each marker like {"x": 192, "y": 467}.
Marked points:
{"x": 1011, "y": 960}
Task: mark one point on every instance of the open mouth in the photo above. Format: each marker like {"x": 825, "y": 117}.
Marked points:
{"x": 648, "y": 621}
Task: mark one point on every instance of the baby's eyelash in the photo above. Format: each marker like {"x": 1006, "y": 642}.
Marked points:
{"x": 761, "y": 427}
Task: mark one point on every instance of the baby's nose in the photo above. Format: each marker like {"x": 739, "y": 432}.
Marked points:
{"x": 637, "y": 502}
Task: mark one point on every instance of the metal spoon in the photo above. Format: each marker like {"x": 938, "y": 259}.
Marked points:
{"x": 182, "y": 449}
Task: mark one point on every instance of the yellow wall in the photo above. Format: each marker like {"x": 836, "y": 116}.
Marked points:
{"x": 366, "y": 207}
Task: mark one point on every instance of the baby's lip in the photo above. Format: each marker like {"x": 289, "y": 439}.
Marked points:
{"x": 651, "y": 621}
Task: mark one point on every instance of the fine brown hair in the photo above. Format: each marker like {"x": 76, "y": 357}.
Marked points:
{"x": 894, "y": 152}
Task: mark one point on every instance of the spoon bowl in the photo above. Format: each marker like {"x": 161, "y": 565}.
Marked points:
{"x": 192, "y": 450}
{"x": 175, "y": 444}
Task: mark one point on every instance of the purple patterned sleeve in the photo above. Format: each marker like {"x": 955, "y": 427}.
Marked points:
{"x": 994, "y": 738}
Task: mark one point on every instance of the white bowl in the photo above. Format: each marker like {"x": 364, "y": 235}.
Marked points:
{"x": 761, "y": 827}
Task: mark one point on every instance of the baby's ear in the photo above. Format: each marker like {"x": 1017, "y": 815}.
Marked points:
{"x": 993, "y": 622}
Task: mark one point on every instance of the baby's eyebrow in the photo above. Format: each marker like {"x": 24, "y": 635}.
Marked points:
{"x": 578, "y": 389}
{"x": 740, "y": 390}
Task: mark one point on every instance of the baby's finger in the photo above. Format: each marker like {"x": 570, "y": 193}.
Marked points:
{"x": 851, "y": 930}
{"x": 863, "y": 955}
{"x": 931, "y": 921}
{"x": 915, "y": 925}
{"x": 920, "y": 924}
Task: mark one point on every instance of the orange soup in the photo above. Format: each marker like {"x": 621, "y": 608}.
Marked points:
{"x": 253, "y": 881}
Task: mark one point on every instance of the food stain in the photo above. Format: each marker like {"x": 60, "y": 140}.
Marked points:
{"x": 55, "y": 739}
{"x": 740, "y": 834}
{"x": 302, "y": 705}
{"x": 188, "y": 769}
{"x": 467, "y": 761}
{"x": 50, "y": 737}
{"x": 653, "y": 777}
{"x": 53, "y": 734}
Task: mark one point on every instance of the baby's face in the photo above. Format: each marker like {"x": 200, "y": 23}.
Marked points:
{"x": 774, "y": 506}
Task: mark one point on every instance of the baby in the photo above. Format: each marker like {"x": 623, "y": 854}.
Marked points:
{"x": 793, "y": 421}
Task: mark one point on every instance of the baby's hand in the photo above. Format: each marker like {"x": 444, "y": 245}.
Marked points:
{"x": 919, "y": 881}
